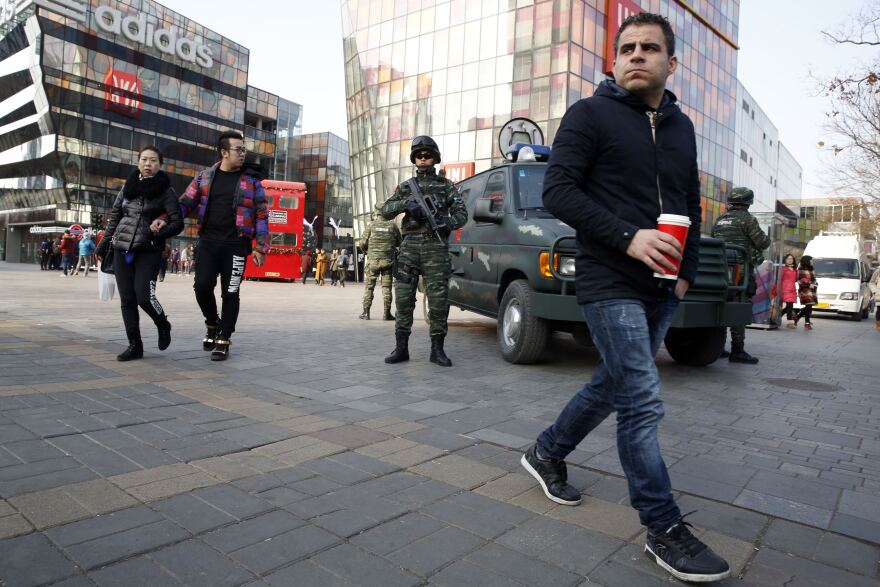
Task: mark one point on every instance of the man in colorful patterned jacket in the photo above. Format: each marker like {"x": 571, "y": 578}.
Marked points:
{"x": 232, "y": 212}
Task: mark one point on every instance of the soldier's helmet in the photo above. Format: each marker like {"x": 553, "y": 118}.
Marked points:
{"x": 424, "y": 143}
{"x": 741, "y": 197}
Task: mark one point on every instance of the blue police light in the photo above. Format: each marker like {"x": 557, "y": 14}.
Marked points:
{"x": 523, "y": 152}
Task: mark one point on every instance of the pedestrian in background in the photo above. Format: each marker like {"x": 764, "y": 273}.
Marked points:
{"x": 146, "y": 195}
{"x": 55, "y": 254}
{"x": 738, "y": 227}
{"x": 342, "y": 266}
{"x": 613, "y": 154}
{"x": 334, "y": 267}
{"x": 69, "y": 248}
{"x": 86, "y": 248}
{"x": 305, "y": 264}
{"x": 163, "y": 266}
{"x": 175, "y": 259}
{"x": 874, "y": 283}
{"x": 788, "y": 288}
{"x": 45, "y": 254}
{"x": 380, "y": 241}
{"x": 186, "y": 260}
{"x": 320, "y": 266}
{"x": 807, "y": 285}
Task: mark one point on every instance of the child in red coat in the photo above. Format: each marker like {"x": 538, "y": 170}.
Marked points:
{"x": 788, "y": 288}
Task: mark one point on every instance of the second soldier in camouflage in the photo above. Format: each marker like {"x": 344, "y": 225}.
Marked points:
{"x": 423, "y": 251}
{"x": 379, "y": 242}
{"x": 738, "y": 227}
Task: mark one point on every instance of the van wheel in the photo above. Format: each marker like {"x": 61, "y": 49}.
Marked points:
{"x": 866, "y": 312}
{"x": 696, "y": 347}
{"x": 522, "y": 336}
{"x": 856, "y": 316}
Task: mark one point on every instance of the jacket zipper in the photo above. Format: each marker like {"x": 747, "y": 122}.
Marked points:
{"x": 653, "y": 116}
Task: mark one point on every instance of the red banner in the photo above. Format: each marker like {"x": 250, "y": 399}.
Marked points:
{"x": 617, "y": 11}
{"x": 456, "y": 172}
{"x": 122, "y": 93}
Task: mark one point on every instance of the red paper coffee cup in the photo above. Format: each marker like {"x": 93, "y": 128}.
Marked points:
{"x": 677, "y": 226}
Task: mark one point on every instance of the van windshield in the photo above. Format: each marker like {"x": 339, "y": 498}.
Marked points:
{"x": 528, "y": 184}
{"x": 843, "y": 268}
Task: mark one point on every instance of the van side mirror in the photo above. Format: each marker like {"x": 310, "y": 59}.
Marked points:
{"x": 483, "y": 211}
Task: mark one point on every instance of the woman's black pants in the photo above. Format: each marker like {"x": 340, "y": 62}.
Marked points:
{"x": 136, "y": 282}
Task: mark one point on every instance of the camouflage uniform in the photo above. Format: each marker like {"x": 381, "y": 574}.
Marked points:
{"x": 380, "y": 241}
{"x": 738, "y": 227}
{"x": 422, "y": 253}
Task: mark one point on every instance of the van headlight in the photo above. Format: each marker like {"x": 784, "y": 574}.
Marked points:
{"x": 566, "y": 266}
{"x": 850, "y": 295}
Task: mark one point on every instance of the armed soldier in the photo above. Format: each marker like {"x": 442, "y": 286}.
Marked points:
{"x": 432, "y": 209}
{"x": 380, "y": 242}
{"x": 738, "y": 227}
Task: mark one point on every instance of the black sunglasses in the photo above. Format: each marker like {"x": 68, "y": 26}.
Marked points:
{"x": 424, "y": 155}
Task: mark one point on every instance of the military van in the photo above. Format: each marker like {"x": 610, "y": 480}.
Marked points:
{"x": 515, "y": 262}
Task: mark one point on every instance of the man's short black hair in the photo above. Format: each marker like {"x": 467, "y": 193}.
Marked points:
{"x": 223, "y": 140}
{"x": 646, "y": 18}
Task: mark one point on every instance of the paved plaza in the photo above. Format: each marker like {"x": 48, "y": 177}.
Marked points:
{"x": 304, "y": 460}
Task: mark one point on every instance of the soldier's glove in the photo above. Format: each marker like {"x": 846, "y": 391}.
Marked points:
{"x": 414, "y": 211}
{"x": 444, "y": 229}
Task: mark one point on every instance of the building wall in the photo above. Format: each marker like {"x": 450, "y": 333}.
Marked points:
{"x": 762, "y": 162}
{"x": 322, "y": 163}
{"x": 458, "y": 70}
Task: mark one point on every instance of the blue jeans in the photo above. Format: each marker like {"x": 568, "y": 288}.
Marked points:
{"x": 627, "y": 334}
{"x": 67, "y": 262}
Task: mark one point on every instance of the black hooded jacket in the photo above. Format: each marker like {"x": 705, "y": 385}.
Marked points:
{"x": 609, "y": 176}
{"x": 139, "y": 202}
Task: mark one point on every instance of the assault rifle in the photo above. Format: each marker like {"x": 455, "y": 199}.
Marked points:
{"x": 429, "y": 208}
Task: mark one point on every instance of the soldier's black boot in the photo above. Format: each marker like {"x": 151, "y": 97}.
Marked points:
{"x": 401, "y": 351}
{"x": 164, "y": 327}
{"x": 211, "y": 334}
{"x": 388, "y": 315}
{"x": 366, "y": 314}
{"x": 135, "y": 348}
{"x": 437, "y": 354}
{"x": 739, "y": 355}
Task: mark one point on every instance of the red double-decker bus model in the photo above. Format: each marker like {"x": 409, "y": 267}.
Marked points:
{"x": 286, "y": 201}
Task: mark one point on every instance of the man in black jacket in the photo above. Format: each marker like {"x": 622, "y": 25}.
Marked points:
{"x": 619, "y": 160}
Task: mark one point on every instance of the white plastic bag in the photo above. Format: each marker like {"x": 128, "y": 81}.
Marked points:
{"x": 106, "y": 286}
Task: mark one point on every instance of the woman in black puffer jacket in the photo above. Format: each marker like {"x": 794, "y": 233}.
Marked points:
{"x": 147, "y": 194}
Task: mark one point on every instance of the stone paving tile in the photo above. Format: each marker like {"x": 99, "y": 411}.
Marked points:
{"x": 426, "y": 555}
{"x": 848, "y": 554}
{"x": 730, "y": 520}
{"x": 413, "y": 455}
{"x": 195, "y": 564}
{"x": 523, "y": 568}
{"x": 192, "y": 513}
{"x": 351, "y": 436}
{"x": 283, "y": 549}
{"x": 253, "y": 531}
{"x": 603, "y": 516}
{"x": 361, "y": 568}
{"x": 772, "y": 567}
{"x": 463, "y": 572}
{"x": 396, "y": 534}
{"x": 32, "y": 560}
{"x": 784, "y": 508}
{"x": 792, "y": 538}
{"x": 136, "y": 572}
{"x": 507, "y": 487}
{"x": 305, "y": 573}
{"x": 458, "y": 471}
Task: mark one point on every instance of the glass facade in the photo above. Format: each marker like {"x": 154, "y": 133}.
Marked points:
{"x": 322, "y": 163}
{"x": 459, "y": 69}
{"x": 82, "y": 91}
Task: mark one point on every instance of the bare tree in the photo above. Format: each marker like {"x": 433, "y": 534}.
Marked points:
{"x": 854, "y": 115}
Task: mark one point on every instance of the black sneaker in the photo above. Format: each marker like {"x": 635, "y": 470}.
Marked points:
{"x": 553, "y": 476}
{"x": 685, "y": 557}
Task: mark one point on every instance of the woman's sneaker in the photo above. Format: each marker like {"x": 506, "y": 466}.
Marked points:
{"x": 684, "y": 556}
{"x": 553, "y": 477}
{"x": 221, "y": 349}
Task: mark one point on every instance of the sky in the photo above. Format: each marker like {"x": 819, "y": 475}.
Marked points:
{"x": 296, "y": 52}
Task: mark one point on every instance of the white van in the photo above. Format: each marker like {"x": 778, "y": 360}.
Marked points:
{"x": 841, "y": 269}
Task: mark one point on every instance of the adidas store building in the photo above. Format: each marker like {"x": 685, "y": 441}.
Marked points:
{"x": 84, "y": 84}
